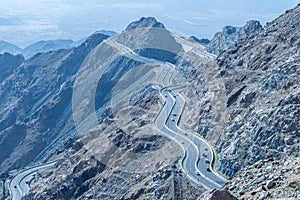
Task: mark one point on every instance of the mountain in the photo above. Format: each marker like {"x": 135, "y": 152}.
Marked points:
{"x": 36, "y": 98}
{"x": 230, "y": 35}
{"x": 45, "y": 46}
{"x": 10, "y": 48}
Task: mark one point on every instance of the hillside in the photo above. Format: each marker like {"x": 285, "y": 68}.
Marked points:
{"x": 261, "y": 76}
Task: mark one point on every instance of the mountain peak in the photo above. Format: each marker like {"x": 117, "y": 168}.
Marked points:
{"x": 145, "y": 22}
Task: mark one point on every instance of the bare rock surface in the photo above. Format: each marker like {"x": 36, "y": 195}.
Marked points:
{"x": 217, "y": 195}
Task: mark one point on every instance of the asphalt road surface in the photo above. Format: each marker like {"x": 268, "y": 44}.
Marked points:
{"x": 198, "y": 155}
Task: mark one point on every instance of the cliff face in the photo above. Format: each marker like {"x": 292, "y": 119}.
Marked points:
{"x": 230, "y": 35}
{"x": 261, "y": 78}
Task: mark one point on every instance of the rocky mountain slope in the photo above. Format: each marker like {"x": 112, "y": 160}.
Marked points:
{"x": 260, "y": 76}
{"x": 35, "y": 97}
{"x": 230, "y": 35}
{"x": 8, "y": 64}
{"x": 268, "y": 179}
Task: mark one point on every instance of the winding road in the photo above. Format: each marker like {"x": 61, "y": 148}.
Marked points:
{"x": 199, "y": 156}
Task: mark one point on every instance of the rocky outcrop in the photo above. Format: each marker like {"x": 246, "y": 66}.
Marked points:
{"x": 203, "y": 42}
{"x": 231, "y": 35}
{"x": 8, "y": 64}
{"x": 217, "y": 195}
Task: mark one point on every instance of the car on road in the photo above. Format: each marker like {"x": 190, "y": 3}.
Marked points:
{"x": 197, "y": 173}
{"x": 173, "y": 120}
{"x": 206, "y": 161}
{"x": 185, "y": 134}
{"x": 204, "y": 155}
{"x": 174, "y": 114}
{"x": 208, "y": 169}
{"x": 15, "y": 186}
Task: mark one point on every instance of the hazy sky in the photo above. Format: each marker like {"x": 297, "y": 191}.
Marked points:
{"x": 25, "y": 21}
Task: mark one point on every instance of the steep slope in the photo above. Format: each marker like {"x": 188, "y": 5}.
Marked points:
{"x": 261, "y": 78}
{"x": 36, "y": 102}
{"x": 230, "y": 35}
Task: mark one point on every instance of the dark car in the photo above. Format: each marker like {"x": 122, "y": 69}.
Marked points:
{"x": 208, "y": 169}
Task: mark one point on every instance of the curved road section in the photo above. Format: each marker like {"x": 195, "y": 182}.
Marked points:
{"x": 198, "y": 154}
{"x": 19, "y": 185}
